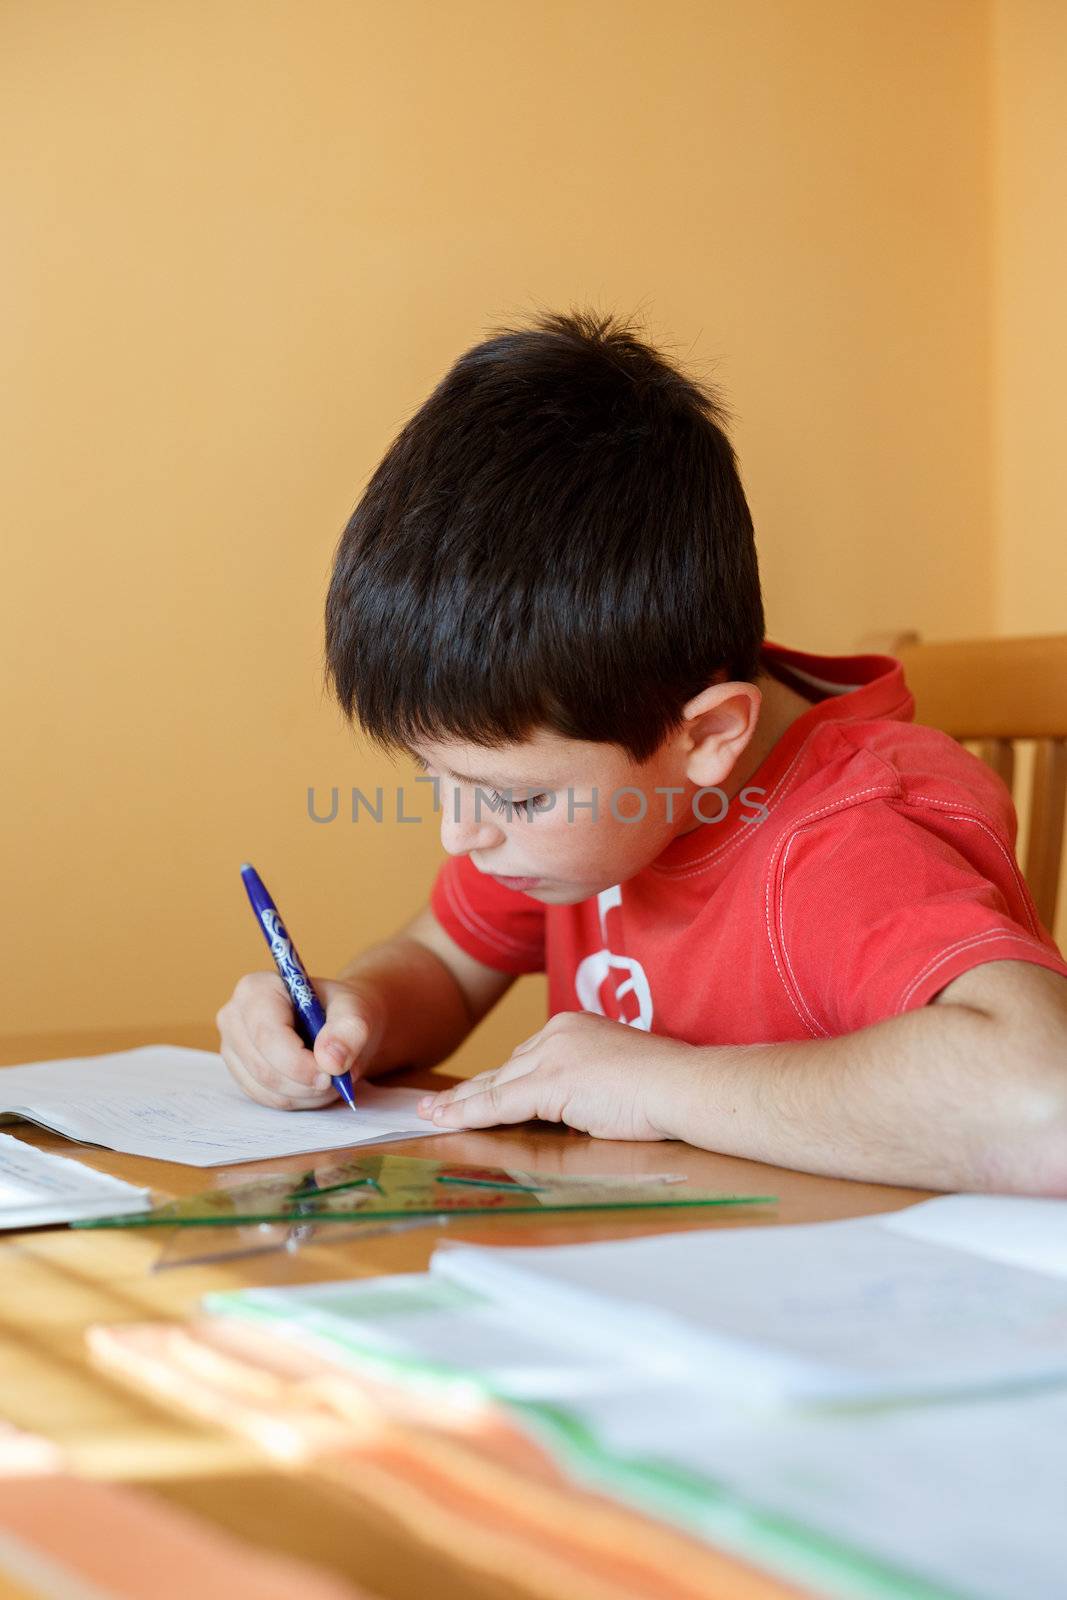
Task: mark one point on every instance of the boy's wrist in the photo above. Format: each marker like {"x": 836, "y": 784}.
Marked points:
{"x": 705, "y": 1093}
{"x": 679, "y": 1095}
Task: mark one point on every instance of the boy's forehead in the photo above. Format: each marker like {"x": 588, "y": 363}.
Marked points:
{"x": 545, "y": 757}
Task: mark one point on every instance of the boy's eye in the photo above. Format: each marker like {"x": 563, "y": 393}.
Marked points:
{"x": 500, "y": 802}
{"x": 525, "y": 808}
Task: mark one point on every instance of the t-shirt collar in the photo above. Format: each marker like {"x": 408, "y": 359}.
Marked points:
{"x": 856, "y": 688}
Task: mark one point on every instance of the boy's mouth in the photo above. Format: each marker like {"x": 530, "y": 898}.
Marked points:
{"x": 516, "y": 883}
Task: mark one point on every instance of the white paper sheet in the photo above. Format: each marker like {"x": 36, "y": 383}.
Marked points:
{"x": 182, "y": 1105}
{"x": 968, "y": 1495}
{"x": 419, "y": 1318}
{"x": 962, "y": 1497}
{"x": 1025, "y": 1231}
{"x": 37, "y": 1187}
{"x": 830, "y": 1312}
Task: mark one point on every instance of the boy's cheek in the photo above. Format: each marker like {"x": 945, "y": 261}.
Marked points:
{"x": 599, "y": 856}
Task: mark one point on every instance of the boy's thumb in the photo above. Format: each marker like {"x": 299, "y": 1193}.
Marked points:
{"x": 341, "y": 1040}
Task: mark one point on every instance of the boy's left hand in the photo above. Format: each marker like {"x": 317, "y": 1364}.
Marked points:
{"x": 598, "y": 1076}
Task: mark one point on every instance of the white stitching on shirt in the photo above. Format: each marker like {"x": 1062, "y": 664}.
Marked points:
{"x": 692, "y": 868}
{"x": 815, "y": 1023}
{"x": 781, "y": 975}
{"x": 464, "y": 913}
{"x": 979, "y": 822}
{"x": 490, "y": 927}
{"x": 970, "y": 941}
{"x": 786, "y": 838}
{"x": 944, "y": 955}
{"x": 461, "y": 917}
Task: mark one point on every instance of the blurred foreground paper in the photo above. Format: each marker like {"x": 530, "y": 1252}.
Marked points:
{"x": 859, "y": 1310}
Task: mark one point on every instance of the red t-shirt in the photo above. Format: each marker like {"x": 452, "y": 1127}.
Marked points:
{"x": 880, "y": 867}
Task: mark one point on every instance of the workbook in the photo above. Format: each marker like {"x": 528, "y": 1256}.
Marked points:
{"x": 37, "y": 1187}
{"x": 182, "y": 1105}
{"x": 840, "y": 1415}
{"x": 868, "y": 1309}
{"x": 865, "y": 1311}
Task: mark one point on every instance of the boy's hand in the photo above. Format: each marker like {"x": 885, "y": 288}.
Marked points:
{"x": 270, "y": 1061}
{"x": 599, "y": 1076}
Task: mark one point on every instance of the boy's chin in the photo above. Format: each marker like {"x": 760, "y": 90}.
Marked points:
{"x": 565, "y": 894}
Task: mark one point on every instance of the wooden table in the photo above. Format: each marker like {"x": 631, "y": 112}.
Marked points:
{"x": 56, "y": 1282}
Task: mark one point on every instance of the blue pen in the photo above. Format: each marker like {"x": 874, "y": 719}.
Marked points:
{"x": 310, "y": 1017}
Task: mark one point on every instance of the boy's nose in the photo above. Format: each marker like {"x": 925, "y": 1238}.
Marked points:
{"x": 461, "y": 831}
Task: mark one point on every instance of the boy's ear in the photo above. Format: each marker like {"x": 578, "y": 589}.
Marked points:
{"x": 719, "y": 723}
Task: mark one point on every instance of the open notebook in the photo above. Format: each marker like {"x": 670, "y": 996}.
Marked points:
{"x": 182, "y": 1105}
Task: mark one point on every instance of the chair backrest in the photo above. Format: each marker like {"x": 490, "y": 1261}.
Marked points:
{"x": 990, "y": 693}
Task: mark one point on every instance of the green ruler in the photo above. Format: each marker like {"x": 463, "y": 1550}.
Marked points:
{"x": 386, "y": 1186}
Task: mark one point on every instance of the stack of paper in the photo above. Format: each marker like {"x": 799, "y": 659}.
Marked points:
{"x": 875, "y": 1408}
{"x": 856, "y": 1310}
{"x": 38, "y": 1188}
{"x": 182, "y": 1105}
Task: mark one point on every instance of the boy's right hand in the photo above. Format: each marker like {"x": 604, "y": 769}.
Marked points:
{"x": 270, "y": 1061}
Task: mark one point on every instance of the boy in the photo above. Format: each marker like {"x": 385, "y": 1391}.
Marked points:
{"x": 778, "y": 919}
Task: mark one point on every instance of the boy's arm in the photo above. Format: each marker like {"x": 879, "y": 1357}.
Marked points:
{"x": 426, "y": 994}
{"x": 968, "y": 1092}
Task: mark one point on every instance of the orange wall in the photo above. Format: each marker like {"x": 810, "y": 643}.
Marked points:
{"x": 243, "y": 240}
{"x": 1030, "y": 318}
{"x": 1029, "y": 145}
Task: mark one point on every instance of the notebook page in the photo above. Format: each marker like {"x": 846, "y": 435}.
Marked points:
{"x": 182, "y": 1105}
{"x": 1025, "y": 1231}
{"x": 38, "y": 1187}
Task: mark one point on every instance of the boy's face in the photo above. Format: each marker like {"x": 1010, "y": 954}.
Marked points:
{"x": 561, "y": 819}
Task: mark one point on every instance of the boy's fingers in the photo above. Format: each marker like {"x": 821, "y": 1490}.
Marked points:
{"x": 300, "y": 1079}
{"x": 280, "y": 1050}
{"x": 528, "y": 1044}
{"x": 300, "y": 1101}
{"x": 260, "y": 1029}
{"x": 244, "y": 1080}
{"x": 481, "y": 1082}
{"x": 347, "y": 1030}
{"x": 463, "y": 1091}
{"x": 469, "y": 1089}
{"x": 514, "y": 1101}
{"x": 263, "y": 1051}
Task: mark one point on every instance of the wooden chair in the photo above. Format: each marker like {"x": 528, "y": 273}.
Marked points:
{"x": 989, "y": 693}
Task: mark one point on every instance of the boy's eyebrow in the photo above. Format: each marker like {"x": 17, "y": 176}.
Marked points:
{"x": 485, "y": 783}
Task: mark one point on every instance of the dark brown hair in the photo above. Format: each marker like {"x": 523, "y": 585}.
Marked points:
{"x": 558, "y": 538}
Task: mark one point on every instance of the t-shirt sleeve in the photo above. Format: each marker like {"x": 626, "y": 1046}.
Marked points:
{"x": 501, "y": 927}
{"x": 871, "y": 911}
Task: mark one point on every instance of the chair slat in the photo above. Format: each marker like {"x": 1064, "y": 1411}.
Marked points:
{"x": 1048, "y": 807}
{"x": 1000, "y": 755}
